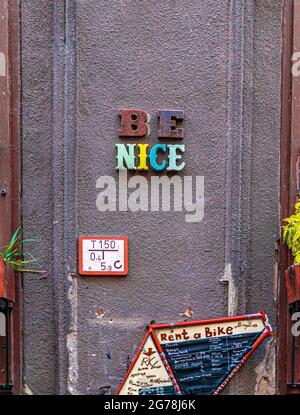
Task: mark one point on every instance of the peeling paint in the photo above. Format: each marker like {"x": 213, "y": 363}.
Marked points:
{"x": 188, "y": 312}
{"x": 129, "y": 324}
{"x": 265, "y": 381}
{"x": 72, "y": 337}
{"x": 27, "y": 390}
{"x": 103, "y": 390}
{"x": 100, "y": 312}
{"x": 232, "y": 291}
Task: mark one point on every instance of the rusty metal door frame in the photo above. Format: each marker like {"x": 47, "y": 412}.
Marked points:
{"x": 10, "y": 188}
{"x": 290, "y": 149}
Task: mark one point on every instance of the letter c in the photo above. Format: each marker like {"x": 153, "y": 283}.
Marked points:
{"x": 153, "y": 157}
{"x": 118, "y": 267}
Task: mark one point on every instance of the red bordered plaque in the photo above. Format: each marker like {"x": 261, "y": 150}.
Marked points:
{"x": 195, "y": 357}
{"x": 103, "y": 255}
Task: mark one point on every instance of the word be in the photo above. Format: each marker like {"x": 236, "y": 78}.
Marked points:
{"x": 135, "y": 123}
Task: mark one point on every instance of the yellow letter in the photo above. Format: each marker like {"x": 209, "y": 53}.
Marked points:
{"x": 143, "y": 156}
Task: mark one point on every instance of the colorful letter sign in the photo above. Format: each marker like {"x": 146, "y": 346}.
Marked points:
{"x": 195, "y": 357}
{"x": 135, "y": 123}
{"x": 103, "y": 255}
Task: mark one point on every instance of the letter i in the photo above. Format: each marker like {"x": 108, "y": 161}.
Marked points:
{"x": 143, "y": 156}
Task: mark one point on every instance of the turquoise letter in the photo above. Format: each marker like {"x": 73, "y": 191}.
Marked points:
{"x": 153, "y": 156}
{"x": 123, "y": 155}
{"x": 173, "y": 156}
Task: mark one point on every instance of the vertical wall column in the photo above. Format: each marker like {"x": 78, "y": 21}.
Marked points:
{"x": 64, "y": 174}
{"x": 238, "y": 160}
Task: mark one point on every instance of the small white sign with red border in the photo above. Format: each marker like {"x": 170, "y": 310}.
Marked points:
{"x": 103, "y": 255}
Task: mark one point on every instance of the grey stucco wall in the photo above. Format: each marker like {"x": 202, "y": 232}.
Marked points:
{"x": 39, "y": 325}
{"x": 220, "y": 63}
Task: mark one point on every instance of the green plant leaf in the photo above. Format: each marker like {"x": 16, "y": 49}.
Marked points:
{"x": 13, "y": 253}
{"x": 291, "y": 232}
{"x": 14, "y": 240}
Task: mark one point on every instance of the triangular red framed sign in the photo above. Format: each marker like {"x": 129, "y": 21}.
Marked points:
{"x": 195, "y": 357}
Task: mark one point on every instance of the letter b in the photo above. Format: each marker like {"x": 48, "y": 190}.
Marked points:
{"x": 134, "y": 123}
{"x": 208, "y": 333}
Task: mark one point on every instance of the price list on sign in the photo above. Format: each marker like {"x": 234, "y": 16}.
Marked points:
{"x": 193, "y": 357}
{"x": 103, "y": 255}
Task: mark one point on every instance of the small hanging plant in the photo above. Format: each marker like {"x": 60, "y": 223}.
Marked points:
{"x": 291, "y": 236}
{"x": 291, "y": 233}
{"x": 13, "y": 254}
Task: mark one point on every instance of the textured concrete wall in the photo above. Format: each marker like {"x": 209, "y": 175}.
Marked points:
{"x": 39, "y": 324}
{"x": 220, "y": 63}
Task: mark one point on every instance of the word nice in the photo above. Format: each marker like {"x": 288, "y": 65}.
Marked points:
{"x": 172, "y": 152}
{"x": 141, "y": 194}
